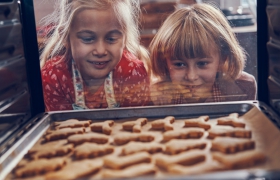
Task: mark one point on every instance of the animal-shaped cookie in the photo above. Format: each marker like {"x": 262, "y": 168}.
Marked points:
{"x": 229, "y": 132}
{"x": 198, "y": 122}
{"x": 185, "y": 133}
{"x": 231, "y": 145}
{"x": 163, "y": 124}
{"x": 176, "y": 146}
{"x": 125, "y": 137}
{"x": 231, "y": 120}
{"x": 134, "y": 126}
{"x": 87, "y": 150}
{"x": 71, "y": 123}
{"x": 104, "y": 127}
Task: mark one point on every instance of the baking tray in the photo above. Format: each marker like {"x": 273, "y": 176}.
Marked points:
{"x": 264, "y": 129}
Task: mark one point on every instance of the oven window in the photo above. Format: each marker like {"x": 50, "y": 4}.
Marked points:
{"x": 171, "y": 52}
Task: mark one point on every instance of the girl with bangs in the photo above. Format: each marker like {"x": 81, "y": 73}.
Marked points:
{"x": 92, "y": 58}
{"x": 196, "y": 58}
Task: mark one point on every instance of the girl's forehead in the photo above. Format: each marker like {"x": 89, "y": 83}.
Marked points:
{"x": 89, "y": 17}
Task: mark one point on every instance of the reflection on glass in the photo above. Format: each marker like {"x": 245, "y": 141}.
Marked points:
{"x": 105, "y": 66}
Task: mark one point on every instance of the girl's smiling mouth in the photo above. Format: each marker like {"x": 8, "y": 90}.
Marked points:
{"x": 98, "y": 64}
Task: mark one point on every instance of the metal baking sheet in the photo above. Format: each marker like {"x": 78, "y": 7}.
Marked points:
{"x": 41, "y": 123}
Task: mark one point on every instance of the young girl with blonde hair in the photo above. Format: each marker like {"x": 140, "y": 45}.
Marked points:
{"x": 91, "y": 60}
{"x": 197, "y": 58}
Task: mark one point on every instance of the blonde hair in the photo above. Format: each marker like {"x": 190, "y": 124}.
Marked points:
{"x": 127, "y": 13}
{"x": 191, "y": 32}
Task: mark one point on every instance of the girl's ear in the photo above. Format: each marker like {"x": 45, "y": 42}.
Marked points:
{"x": 223, "y": 64}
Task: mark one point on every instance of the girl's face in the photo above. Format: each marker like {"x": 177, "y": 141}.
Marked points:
{"x": 97, "y": 42}
{"x": 197, "y": 74}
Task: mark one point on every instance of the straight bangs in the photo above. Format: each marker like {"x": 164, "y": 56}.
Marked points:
{"x": 190, "y": 39}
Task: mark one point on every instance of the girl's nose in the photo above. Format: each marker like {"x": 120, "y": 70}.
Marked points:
{"x": 99, "y": 49}
{"x": 191, "y": 74}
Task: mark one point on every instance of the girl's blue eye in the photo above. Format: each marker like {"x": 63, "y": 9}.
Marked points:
{"x": 178, "y": 64}
{"x": 87, "y": 39}
{"x": 202, "y": 64}
{"x": 111, "y": 40}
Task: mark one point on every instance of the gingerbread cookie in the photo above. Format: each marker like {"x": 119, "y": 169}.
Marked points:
{"x": 163, "y": 124}
{"x": 63, "y": 133}
{"x": 87, "y": 150}
{"x": 134, "y": 147}
{"x": 71, "y": 123}
{"x": 50, "y": 149}
{"x": 134, "y": 126}
{"x": 205, "y": 166}
{"x": 76, "y": 170}
{"x": 125, "y": 137}
{"x": 132, "y": 171}
{"x": 198, "y": 122}
{"x": 104, "y": 127}
{"x": 40, "y": 166}
{"x": 185, "y": 133}
{"x": 185, "y": 158}
{"x": 229, "y": 132}
{"x": 120, "y": 162}
{"x": 242, "y": 159}
{"x": 231, "y": 120}
{"x": 176, "y": 146}
{"x": 231, "y": 145}
{"x": 88, "y": 137}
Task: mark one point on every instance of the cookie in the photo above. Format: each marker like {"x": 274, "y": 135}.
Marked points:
{"x": 88, "y": 150}
{"x": 88, "y": 137}
{"x": 242, "y": 159}
{"x": 198, "y": 122}
{"x": 125, "y": 137}
{"x": 163, "y": 124}
{"x": 176, "y": 146}
{"x": 231, "y": 145}
{"x": 134, "y": 126}
{"x": 229, "y": 132}
{"x": 63, "y": 133}
{"x": 185, "y": 158}
{"x": 40, "y": 166}
{"x": 185, "y": 133}
{"x": 71, "y": 123}
{"x": 134, "y": 147}
{"x": 205, "y": 166}
{"x": 231, "y": 120}
{"x": 103, "y": 127}
{"x": 120, "y": 162}
{"x": 50, "y": 149}
{"x": 132, "y": 171}
{"x": 76, "y": 170}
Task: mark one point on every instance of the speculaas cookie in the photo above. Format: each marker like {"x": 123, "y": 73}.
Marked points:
{"x": 120, "y": 162}
{"x": 231, "y": 120}
{"x": 198, "y": 122}
{"x": 134, "y": 147}
{"x": 131, "y": 171}
{"x": 232, "y": 145}
{"x": 71, "y": 123}
{"x": 50, "y": 149}
{"x": 205, "y": 166}
{"x": 185, "y": 158}
{"x": 176, "y": 146}
{"x": 88, "y": 150}
{"x": 242, "y": 159}
{"x": 76, "y": 170}
{"x": 40, "y": 166}
{"x": 185, "y": 133}
{"x": 163, "y": 124}
{"x": 125, "y": 137}
{"x": 134, "y": 126}
{"x": 229, "y": 132}
{"x": 63, "y": 133}
{"x": 103, "y": 127}
{"x": 88, "y": 137}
